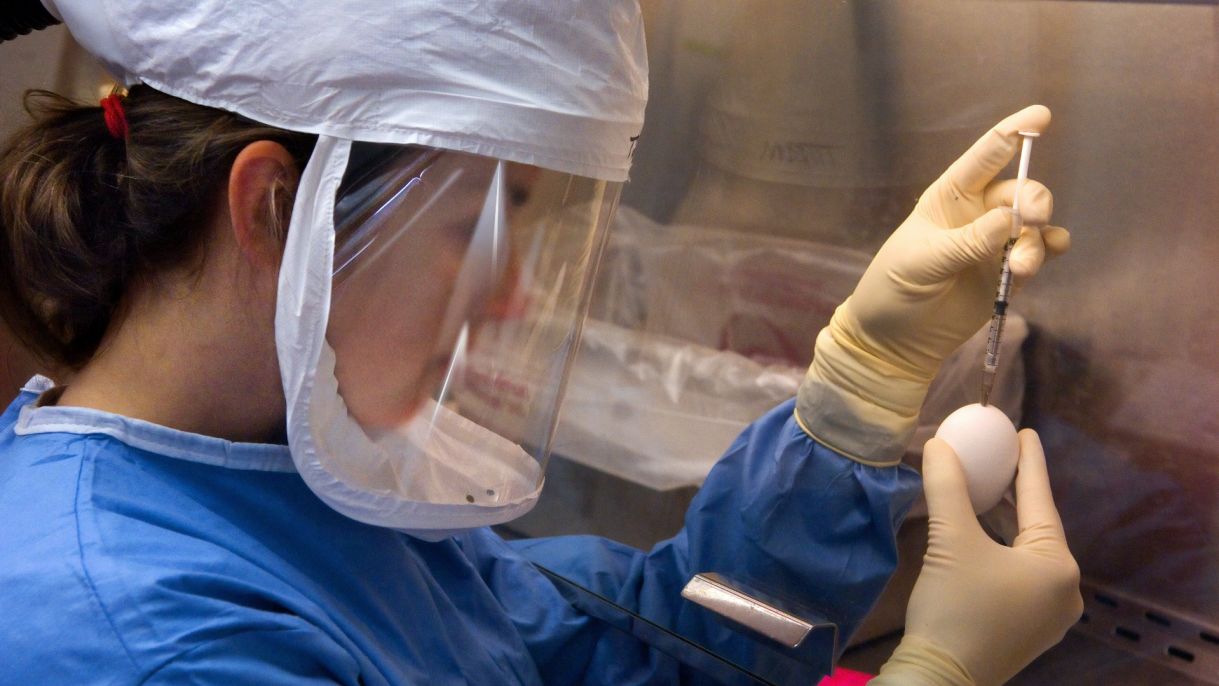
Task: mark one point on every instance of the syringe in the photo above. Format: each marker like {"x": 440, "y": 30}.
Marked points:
{"x": 991, "y": 363}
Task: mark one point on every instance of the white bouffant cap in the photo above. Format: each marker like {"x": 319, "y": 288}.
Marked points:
{"x": 560, "y": 85}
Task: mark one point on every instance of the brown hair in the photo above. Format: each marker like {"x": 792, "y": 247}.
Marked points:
{"x": 82, "y": 213}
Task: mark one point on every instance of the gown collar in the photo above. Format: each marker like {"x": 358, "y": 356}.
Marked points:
{"x": 142, "y": 435}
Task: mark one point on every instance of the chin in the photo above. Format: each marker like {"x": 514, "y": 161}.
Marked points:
{"x": 387, "y": 413}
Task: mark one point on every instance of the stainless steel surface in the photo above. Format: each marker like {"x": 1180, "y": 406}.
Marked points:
{"x": 1124, "y": 363}
{"x": 1080, "y": 660}
{"x": 711, "y": 591}
{"x": 1184, "y": 644}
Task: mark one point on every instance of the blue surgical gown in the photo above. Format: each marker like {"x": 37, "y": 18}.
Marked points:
{"x": 131, "y": 553}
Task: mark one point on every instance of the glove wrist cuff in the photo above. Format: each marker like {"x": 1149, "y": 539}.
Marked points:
{"x": 918, "y": 662}
{"x": 855, "y": 409}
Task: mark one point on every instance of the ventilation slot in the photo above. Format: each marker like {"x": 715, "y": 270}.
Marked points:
{"x": 1180, "y": 653}
{"x": 1157, "y": 618}
{"x": 1178, "y": 642}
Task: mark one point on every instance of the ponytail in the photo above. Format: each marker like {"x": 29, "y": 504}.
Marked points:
{"x": 84, "y": 212}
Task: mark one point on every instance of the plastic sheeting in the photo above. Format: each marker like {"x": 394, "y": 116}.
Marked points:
{"x": 698, "y": 331}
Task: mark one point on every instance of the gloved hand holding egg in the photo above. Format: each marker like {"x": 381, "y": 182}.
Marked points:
{"x": 980, "y": 610}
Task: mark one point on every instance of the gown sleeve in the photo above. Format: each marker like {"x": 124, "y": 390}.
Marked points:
{"x": 291, "y": 656}
{"x": 779, "y": 511}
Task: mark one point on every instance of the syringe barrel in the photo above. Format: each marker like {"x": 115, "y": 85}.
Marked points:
{"x": 992, "y": 341}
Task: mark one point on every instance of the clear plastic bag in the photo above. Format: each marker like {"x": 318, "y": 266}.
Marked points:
{"x": 697, "y": 331}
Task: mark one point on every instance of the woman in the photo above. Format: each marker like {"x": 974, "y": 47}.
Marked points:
{"x": 319, "y": 277}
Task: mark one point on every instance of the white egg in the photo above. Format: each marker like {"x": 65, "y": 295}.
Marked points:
{"x": 985, "y": 440}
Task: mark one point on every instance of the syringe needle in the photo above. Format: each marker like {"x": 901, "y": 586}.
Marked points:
{"x": 988, "y": 382}
{"x": 991, "y": 364}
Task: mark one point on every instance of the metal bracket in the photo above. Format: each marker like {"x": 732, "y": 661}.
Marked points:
{"x": 717, "y": 594}
{"x": 797, "y": 634}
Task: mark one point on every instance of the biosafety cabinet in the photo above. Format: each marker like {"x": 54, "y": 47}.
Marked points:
{"x": 784, "y": 141}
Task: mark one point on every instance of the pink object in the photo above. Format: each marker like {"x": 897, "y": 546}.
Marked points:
{"x": 846, "y": 677}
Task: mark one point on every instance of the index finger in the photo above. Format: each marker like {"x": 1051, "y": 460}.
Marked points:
{"x": 991, "y": 153}
{"x": 1035, "y": 508}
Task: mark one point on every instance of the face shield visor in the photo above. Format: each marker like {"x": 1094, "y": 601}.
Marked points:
{"x": 431, "y": 305}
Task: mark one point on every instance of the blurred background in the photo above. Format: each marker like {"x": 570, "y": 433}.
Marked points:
{"x": 784, "y": 140}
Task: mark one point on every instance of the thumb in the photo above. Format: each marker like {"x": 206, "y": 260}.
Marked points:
{"x": 987, "y": 157}
{"x": 981, "y": 241}
{"x": 946, "y": 488}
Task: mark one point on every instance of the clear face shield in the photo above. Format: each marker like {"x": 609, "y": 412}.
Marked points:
{"x": 459, "y": 284}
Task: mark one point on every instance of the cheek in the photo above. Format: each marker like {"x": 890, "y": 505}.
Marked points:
{"x": 385, "y": 334}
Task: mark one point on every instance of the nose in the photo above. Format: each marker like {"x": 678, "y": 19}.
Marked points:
{"x": 509, "y": 300}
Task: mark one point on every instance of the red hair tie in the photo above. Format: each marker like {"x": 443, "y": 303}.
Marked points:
{"x": 116, "y": 118}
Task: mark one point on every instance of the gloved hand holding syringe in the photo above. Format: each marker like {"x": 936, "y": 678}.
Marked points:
{"x": 991, "y": 362}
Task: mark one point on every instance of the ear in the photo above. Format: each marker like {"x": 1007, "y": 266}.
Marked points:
{"x": 263, "y": 174}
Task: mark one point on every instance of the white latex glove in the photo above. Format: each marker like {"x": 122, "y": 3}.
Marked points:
{"x": 981, "y": 611}
{"x": 929, "y": 288}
